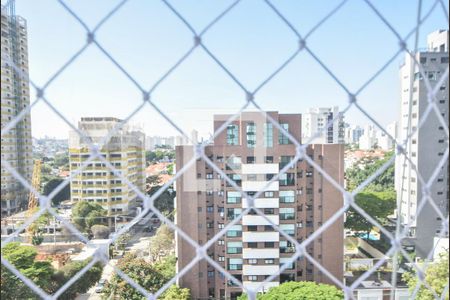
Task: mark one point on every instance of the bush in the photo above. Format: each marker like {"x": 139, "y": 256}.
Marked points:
{"x": 100, "y": 231}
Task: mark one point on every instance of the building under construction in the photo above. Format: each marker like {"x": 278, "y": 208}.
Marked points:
{"x": 16, "y": 143}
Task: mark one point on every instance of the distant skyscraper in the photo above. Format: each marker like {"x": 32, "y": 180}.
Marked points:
{"x": 17, "y": 143}
{"x": 96, "y": 183}
{"x": 316, "y": 119}
{"x": 251, "y": 150}
{"x": 368, "y": 140}
{"x": 383, "y": 140}
{"x": 194, "y": 136}
{"x": 426, "y": 147}
{"x": 352, "y": 134}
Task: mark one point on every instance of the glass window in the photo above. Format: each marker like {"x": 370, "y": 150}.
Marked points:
{"x": 288, "y": 228}
{"x": 233, "y": 163}
{"x": 252, "y": 228}
{"x": 268, "y": 228}
{"x": 269, "y": 211}
{"x": 251, "y": 135}
{"x": 282, "y": 139}
{"x": 284, "y": 160}
{"x": 286, "y": 247}
{"x": 233, "y": 213}
{"x": 235, "y": 231}
{"x": 268, "y": 194}
{"x": 268, "y": 159}
{"x": 252, "y": 245}
{"x": 269, "y": 245}
{"x": 233, "y": 135}
{"x": 287, "y": 213}
{"x": 285, "y": 260}
{"x": 233, "y": 197}
{"x": 268, "y": 135}
{"x": 287, "y": 179}
{"x": 234, "y": 264}
{"x": 251, "y": 177}
{"x": 234, "y": 247}
{"x": 287, "y": 196}
{"x": 270, "y": 261}
{"x": 250, "y": 159}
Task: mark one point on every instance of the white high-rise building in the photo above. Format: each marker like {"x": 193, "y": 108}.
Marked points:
{"x": 96, "y": 183}
{"x": 15, "y": 96}
{"x": 317, "y": 119}
{"x": 385, "y": 141}
{"x": 426, "y": 147}
{"x": 194, "y": 137}
{"x": 368, "y": 140}
{"x": 353, "y": 134}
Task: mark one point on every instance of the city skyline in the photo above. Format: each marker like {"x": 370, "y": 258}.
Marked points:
{"x": 272, "y": 200}
{"x": 199, "y": 88}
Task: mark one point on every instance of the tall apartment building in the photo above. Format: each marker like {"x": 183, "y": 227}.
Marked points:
{"x": 352, "y": 134}
{"x": 384, "y": 141}
{"x": 96, "y": 183}
{"x": 251, "y": 151}
{"x": 427, "y": 147}
{"x": 15, "y": 96}
{"x": 368, "y": 139}
{"x": 317, "y": 119}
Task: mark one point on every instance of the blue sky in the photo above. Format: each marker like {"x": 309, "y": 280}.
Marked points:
{"x": 146, "y": 38}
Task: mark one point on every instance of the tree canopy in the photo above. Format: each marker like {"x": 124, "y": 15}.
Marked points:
{"x": 378, "y": 205}
{"x": 385, "y": 181}
{"x": 151, "y": 276}
{"x": 86, "y": 214}
{"x": 436, "y": 276}
{"x": 162, "y": 243}
{"x": 62, "y": 195}
{"x": 158, "y": 155}
{"x": 23, "y": 258}
{"x": 176, "y": 293}
{"x": 84, "y": 283}
{"x": 100, "y": 231}
{"x": 300, "y": 290}
{"x": 378, "y": 198}
{"x": 165, "y": 202}
{"x": 42, "y": 274}
{"x": 142, "y": 272}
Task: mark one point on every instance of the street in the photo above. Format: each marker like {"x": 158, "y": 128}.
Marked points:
{"x": 139, "y": 244}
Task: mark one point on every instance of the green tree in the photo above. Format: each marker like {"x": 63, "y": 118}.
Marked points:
{"x": 166, "y": 266}
{"x": 165, "y": 202}
{"x": 301, "y": 290}
{"x": 100, "y": 231}
{"x": 62, "y": 195}
{"x": 162, "y": 243}
{"x": 36, "y": 228}
{"x": 86, "y": 214}
{"x": 61, "y": 160}
{"x": 378, "y": 205}
{"x": 436, "y": 275}
{"x": 83, "y": 284}
{"x": 142, "y": 272}
{"x": 158, "y": 155}
{"x": 23, "y": 258}
{"x": 385, "y": 181}
{"x": 176, "y": 293}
